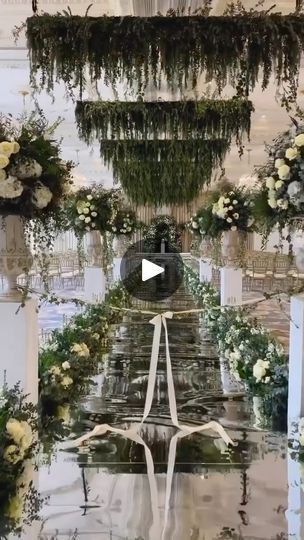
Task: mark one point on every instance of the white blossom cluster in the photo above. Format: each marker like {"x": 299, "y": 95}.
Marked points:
{"x": 13, "y": 175}
{"x": 284, "y": 185}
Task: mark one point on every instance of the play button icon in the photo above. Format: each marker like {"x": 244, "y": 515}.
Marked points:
{"x": 151, "y": 277}
{"x": 149, "y": 270}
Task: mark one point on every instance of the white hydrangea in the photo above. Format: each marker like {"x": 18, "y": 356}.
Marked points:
{"x": 10, "y": 188}
{"x": 41, "y": 196}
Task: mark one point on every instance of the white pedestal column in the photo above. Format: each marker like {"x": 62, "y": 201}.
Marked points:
{"x": 116, "y": 268}
{"x": 19, "y": 346}
{"x": 296, "y": 358}
{"x": 231, "y": 286}
{"x": 294, "y": 514}
{"x": 94, "y": 284}
{"x": 205, "y": 270}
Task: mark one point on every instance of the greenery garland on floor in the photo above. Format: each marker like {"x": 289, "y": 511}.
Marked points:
{"x": 75, "y": 352}
{"x": 254, "y": 356}
{"x": 202, "y": 119}
{"x": 233, "y": 49}
{"x": 163, "y": 172}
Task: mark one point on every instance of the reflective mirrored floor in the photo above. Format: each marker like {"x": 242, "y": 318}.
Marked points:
{"x": 103, "y": 491}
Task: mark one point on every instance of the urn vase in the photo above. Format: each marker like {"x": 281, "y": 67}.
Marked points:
{"x": 231, "y": 247}
{"x": 94, "y": 248}
{"x": 15, "y": 254}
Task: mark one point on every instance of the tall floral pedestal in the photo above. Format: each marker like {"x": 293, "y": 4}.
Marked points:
{"x": 296, "y": 359}
{"x": 231, "y": 276}
{"x": 120, "y": 246}
{"x": 95, "y": 284}
{"x": 205, "y": 262}
{"x": 19, "y": 345}
{"x": 18, "y": 327}
{"x": 94, "y": 277}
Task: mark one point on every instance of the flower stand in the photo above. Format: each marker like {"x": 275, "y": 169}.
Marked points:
{"x": 19, "y": 345}
{"x": 94, "y": 276}
{"x": 231, "y": 276}
{"x": 19, "y": 326}
{"x": 120, "y": 246}
{"x": 205, "y": 262}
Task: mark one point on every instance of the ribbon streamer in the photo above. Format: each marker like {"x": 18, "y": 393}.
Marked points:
{"x": 159, "y": 321}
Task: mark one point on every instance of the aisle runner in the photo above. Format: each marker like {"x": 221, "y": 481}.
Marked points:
{"x": 159, "y": 321}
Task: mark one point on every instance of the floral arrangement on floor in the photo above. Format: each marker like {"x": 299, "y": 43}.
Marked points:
{"x": 33, "y": 178}
{"x": 19, "y": 500}
{"x": 74, "y": 354}
{"x": 162, "y": 228}
{"x": 92, "y": 209}
{"x": 227, "y": 209}
{"x": 279, "y": 199}
{"x": 124, "y": 223}
{"x": 253, "y": 355}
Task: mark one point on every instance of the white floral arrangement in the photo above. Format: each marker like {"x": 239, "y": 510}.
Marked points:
{"x": 124, "y": 223}
{"x": 228, "y": 209}
{"x": 253, "y": 355}
{"x": 281, "y": 202}
{"x": 87, "y": 214}
{"x": 33, "y": 178}
{"x": 18, "y": 448}
{"x": 92, "y": 209}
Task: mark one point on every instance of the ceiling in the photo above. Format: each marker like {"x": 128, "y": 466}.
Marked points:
{"x": 269, "y": 118}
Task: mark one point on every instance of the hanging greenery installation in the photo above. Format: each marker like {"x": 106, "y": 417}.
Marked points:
{"x": 202, "y": 119}
{"x": 163, "y": 172}
{"x": 240, "y": 48}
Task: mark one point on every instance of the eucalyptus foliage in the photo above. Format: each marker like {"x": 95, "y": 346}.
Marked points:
{"x": 163, "y": 172}
{"x": 239, "y": 49}
{"x": 202, "y": 119}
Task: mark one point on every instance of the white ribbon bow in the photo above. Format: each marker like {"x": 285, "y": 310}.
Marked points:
{"x": 159, "y": 322}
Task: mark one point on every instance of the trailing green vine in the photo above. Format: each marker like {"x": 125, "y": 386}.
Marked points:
{"x": 163, "y": 172}
{"x": 202, "y": 119}
{"x": 239, "y": 49}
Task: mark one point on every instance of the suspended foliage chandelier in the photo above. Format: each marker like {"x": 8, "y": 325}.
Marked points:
{"x": 239, "y": 49}
{"x": 163, "y": 172}
{"x": 203, "y": 119}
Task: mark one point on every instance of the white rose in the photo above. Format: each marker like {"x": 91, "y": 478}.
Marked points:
{"x": 299, "y": 140}
{"x": 279, "y": 184}
{"x": 6, "y": 148}
{"x": 278, "y": 163}
{"x": 270, "y": 182}
{"x": 194, "y": 225}
{"x": 233, "y": 228}
{"x": 236, "y": 215}
{"x": 86, "y": 211}
{"x": 283, "y": 172}
{"x": 4, "y": 161}
{"x": 65, "y": 365}
{"x": 227, "y": 201}
{"x": 229, "y": 220}
{"x": 11, "y": 188}
{"x": 234, "y": 201}
{"x": 94, "y": 214}
{"x": 89, "y": 197}
{"x": 15, "y": 430}
{"x": 16, "y": 147}
{"x": 291, "y": 153}
{"x": 260, "y": 369}
{"x": 41, "y": 196}
{"x": 87, "y": 219}
{"x": 66, "y": 381}
{"x": 82, "y": 217}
